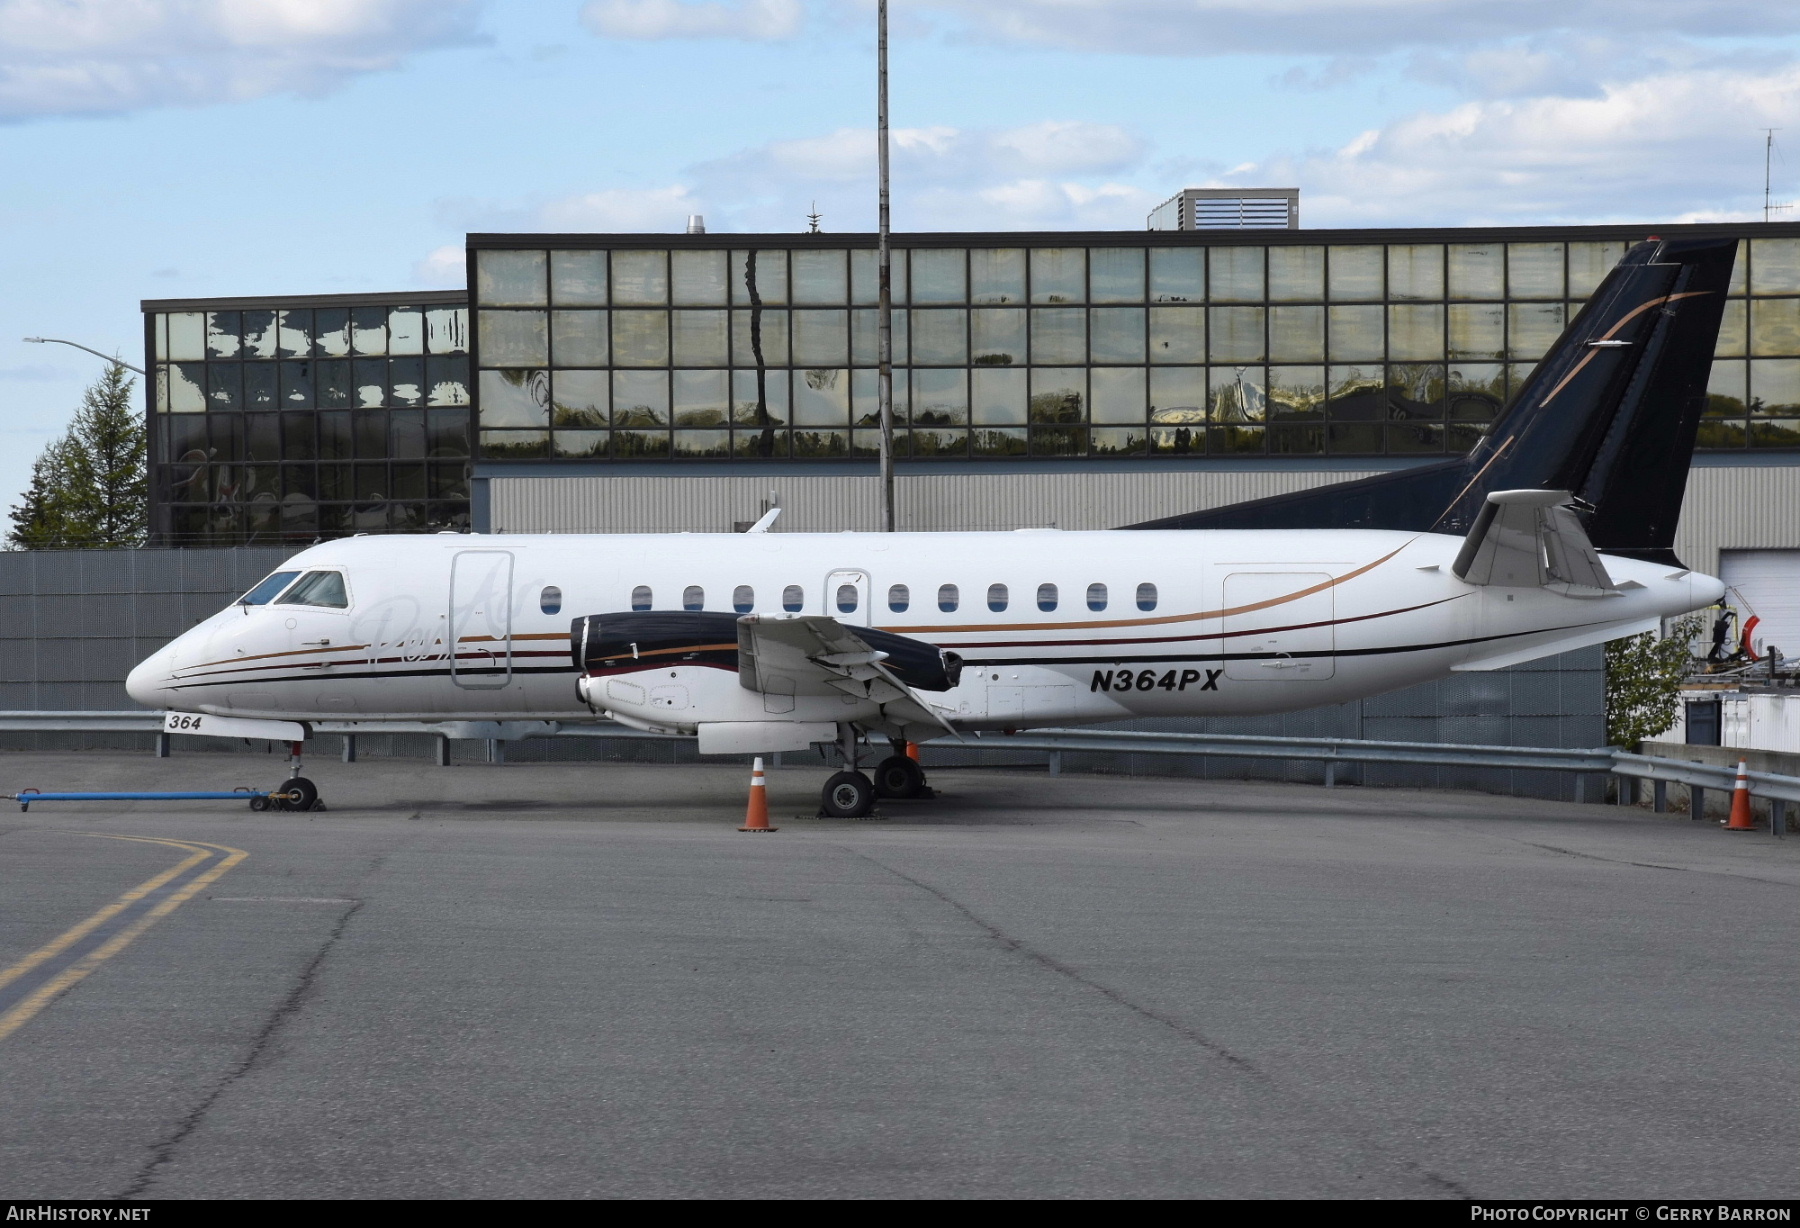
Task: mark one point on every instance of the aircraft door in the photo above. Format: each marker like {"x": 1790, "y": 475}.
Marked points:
{"x": 481, "y": 619}
{"x": 847, "y": 597}
{"x": 1288, "y": 629}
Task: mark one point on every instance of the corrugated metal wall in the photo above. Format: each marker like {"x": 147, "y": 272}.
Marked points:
{"x": 76, "y": 621}
{"x": 926, "y": 502}
{"x": 1727, "y": 508}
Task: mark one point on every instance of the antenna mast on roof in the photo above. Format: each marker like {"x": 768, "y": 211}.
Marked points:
{"x": 812, "y": 219}
{"x": 1769, "y": 206}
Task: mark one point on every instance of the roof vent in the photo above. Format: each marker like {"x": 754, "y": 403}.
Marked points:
{"x": 696, "y": 224}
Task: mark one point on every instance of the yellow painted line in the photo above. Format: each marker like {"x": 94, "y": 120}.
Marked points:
{"x": 15, "y": 1018}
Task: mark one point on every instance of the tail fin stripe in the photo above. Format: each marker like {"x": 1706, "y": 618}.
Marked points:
{"x": 1607, "y": 336}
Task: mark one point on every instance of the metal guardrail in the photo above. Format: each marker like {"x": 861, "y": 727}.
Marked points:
{"x": 1329, "y": 751}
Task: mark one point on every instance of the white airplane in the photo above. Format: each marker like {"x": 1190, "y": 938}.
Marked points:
{"x": 763, "y": 642}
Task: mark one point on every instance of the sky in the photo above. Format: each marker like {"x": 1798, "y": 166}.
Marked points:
{"x": 183, "y": 148}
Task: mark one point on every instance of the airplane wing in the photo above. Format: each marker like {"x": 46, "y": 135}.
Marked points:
{"x": 816, "y": 655}
{"x": 1532, "y": 539}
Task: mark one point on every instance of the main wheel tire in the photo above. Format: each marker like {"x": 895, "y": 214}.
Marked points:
{"x": 898, "y": 776}
{"x": 848, "y": 795}
{"x": 308, "y": 793}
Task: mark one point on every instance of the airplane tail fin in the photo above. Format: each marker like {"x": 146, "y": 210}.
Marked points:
{"x": 1610, "y": 414}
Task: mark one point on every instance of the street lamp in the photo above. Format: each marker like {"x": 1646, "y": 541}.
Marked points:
{"x": 89, "y": 349}
{"x": 884, "y": 326}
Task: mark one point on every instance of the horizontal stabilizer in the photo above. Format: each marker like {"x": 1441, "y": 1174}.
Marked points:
{"x": 1531, "y": 539}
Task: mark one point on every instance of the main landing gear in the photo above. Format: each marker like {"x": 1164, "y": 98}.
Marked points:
{"x": 850, "y": 794}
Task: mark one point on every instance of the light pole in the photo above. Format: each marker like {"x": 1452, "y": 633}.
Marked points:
{"x": 96, "y": 353}
{"x": 884, "y": 315}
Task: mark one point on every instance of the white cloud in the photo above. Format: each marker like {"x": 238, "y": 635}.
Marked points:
{"x": 1679, "y": 144}
{"x": 620, "y": 210}
{"x": 754, "y": 20}
{"x": 443, "y": 269}
{"x": 1338, "y": 27}
{"x": 75, "y": 57}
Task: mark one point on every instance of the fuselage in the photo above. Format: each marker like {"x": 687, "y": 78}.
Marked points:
{"x": 1053, "y": 627}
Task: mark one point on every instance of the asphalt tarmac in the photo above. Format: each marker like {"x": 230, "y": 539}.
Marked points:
{"x": 582, "y": 980}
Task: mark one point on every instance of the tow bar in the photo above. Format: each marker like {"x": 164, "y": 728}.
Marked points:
{"x": 258, "y": 799}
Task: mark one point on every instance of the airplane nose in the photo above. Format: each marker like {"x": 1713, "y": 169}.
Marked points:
{"x": 146, "y": 683}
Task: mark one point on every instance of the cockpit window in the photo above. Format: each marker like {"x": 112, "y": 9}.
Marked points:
{"x": 324, "y": 588}
{"x": 265, "y": 592}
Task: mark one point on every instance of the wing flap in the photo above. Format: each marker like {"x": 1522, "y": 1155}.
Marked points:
{"x": 818, "y": 655}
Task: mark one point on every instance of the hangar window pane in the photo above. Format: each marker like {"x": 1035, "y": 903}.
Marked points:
{"x": 406, "y": 331}
{"x": 1775, "y": 386}
{"x": 187, "y": 336}
{"x": 639, "y": 338}
{"x": 1118, "y": 395}
{"x": 1475, "y": 393}
{"x": 1058, "y": 396}
{"x": 514, "y": 339}
{"x": 1774, "y": 326}
{"x": 1774, "y": 269}
{"x": 693, "y": 597}
{"x": 1235, "y": 334}
{"x": 510, "y": 279}
{"x": 1354, "y": 273}
{"x": 938, "y": 277}
{"x": 515, "y": 398}
{"x": 222, "y": 339}
{"x": 1475, "y": 271}
{"x": 578, "y": 279}
{"x": 899, "y": 597}
{"x": 1534, "y": 270}
{"x": 1046, "y": 597}
{"x": 294, "y": 333}
{"x": 846, "y": 598}
{"x": 1416, "y": 332}
{"x": 996, "y": 597}
{"x": 640, "y": 278}
{"x": 1297, "y": 334}
{"x": 640, "y": 598}
{"x": 446, "y": 381}
{"x": 1415, "y": 271}
{"x": 760, "y": 402}
{"x": 1236, "y": 394}
{"x": 1146, "y": 596}
{"x": 1117, "y": 334}
{"x": 1178, "y": 395}
{"x": 1477, "y": 330}
{"x": 997, "y": 275}
{"x": 184, "y": 391}
{"x": 580, "y": 445}
{"x": 793, "y": 598}
{"x": 1356, "y": 333}
{"x": 822, "y": 397}
{"x": 1732, "y": 330}
{"x": 259, "y": 331}
{"x": 580, "y": 338}
{"x": 1296, "y": 274}
{"x": 820, "y": 277}
{"x": 1531, "y": 328}
{"x": 999, "y": 336}
{"x": 947, "y": 598}
{"x": 550, "y": 600}
{"x": 639, "y": 398}
{"x": 446, "y": 331}
{"x": 1058, "y": 274}
{"x": 760, "y": 338}
{"x": 1177, "y": 334}
{"x": 822, "y": 338}
{"x": 761, "y": 277}
{"x": 1235, "y": 274}
{"x": 1059, "y": 335}
{"x": 701, "y": 398}
{"x": 225, "y": 385}
{"x": 940, "y": 337}
{"x": 998, "y": 397}
{"x": 1726, "y": 394}
{"x": 1116, "y": 274}
{"x": 699, "y": 277}
{"x": 940, "y": 398}
{"x": 700, "y": 338}
{"x": 1096, "y": 597}
{"x": 1589, "y": 263}
{"x": 1177, "y": 274}
{"x": 743, "y": 599}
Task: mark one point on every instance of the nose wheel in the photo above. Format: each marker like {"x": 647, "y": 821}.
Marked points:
{"x": 302, "y": 793}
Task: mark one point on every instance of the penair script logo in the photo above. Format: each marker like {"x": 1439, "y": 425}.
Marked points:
{"x": 1148, "y": 680}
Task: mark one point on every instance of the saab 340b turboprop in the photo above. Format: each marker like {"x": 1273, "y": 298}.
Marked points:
{"x": 1554, "y": 533}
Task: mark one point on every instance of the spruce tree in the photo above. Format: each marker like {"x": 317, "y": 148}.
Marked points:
{"x": 91, "y": 487}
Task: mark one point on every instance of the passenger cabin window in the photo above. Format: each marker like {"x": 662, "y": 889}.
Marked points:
{"x": 743, "y": 599}
{"x": 947, "y": 598}
{"x": 265, "y": 592}
{"x": 793, "y": 599}
{"x": 321, "y": 588}
{"x": 1146, "y": 596}
{"x": 996, "y": 597}
{"x": 640, "y": 598}
{"x": 693, "y": 597}
{"x": 1046, "y": 597}
{"x": 1096, "y": 596}
{"x": 846, "y": 599}
{"x": 550, "y": 600}
{"x": 899, "y": 597}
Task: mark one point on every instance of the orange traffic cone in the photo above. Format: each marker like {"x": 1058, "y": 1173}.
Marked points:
{"x": 756, "y": 818}
{"x": 1740, "y": 802}
{"x": 912, "y": 751}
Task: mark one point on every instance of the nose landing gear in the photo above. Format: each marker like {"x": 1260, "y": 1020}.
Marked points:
{"x": 301, "y": 793}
